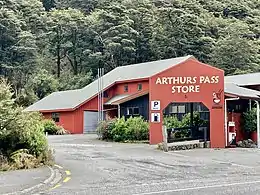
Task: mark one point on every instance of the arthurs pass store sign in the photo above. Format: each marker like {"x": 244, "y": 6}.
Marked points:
{"x": 185, "y": 85}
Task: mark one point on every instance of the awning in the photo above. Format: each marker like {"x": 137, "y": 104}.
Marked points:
{"x": 119, "y": 99}
{"x": 235, "y": 90}
{"x": 116, "y": 98}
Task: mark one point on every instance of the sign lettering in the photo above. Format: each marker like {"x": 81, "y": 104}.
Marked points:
{"x": 187, "y": 84}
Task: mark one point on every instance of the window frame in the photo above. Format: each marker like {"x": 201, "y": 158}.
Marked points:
{"x": 126, "y": 88}
{"x": 177, "y": 109}
{"x": 55, "y": 117}
{"x": 105, "y": 94}
{"x": 139, "y": 86}
{"x": 133, "y": 111}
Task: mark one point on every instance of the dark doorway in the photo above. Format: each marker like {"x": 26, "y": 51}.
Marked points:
{"x": 187, "y": 121}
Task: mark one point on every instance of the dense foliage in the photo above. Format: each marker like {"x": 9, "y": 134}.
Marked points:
{"x": 250, "y": 120}
{"x": 172, "y": 122}
{"x": 120, "y": 130}
{"x": 51, "y": 128}
{"x": 22, "y": 140}
{"x": 49, "y": 45}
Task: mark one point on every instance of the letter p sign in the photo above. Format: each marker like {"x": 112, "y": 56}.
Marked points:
{"x": 155, "y": 105}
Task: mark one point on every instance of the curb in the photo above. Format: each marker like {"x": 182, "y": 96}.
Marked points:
{"x": 53, "y": 177}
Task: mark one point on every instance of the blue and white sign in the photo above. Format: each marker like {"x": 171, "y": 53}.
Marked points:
{"x": 155, "y": 117}
{"x": 155, "y": 105}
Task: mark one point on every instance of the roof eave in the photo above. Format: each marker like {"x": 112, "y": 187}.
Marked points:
{"x": 242, "y": 96}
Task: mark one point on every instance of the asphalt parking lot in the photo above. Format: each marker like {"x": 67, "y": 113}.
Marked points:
{"x": 113, "y": 168}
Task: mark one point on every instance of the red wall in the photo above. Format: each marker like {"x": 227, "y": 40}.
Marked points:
{"x": 73, "y": 120}
{"x": 163, "y": 93}
{"x": 132, "y": 87}
{"x": 66, "y": 120}
{"x": 79, "y": 114}
{"x": 236, "y": 117}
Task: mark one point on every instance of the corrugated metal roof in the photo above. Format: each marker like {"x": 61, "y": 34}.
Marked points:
{"x": 117, "y": 98}
{"x": 234, "y": 89}
{"x": 244, "y": 79}
{"x": 71, "y": 99}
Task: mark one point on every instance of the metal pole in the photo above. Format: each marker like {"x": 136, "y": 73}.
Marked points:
{"x": 250, "y": 104}
{"x": 98, "y": 94}
{"x": 118, "y": 111}
{"x": 102, "y": 94}
{"x": 258, "y": 124}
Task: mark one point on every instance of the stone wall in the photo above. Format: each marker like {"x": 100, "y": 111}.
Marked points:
{"x": 182, "y": 146}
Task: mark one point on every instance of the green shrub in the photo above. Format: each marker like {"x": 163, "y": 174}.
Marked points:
{"x": 137, "y": 129}
{"x": 172, "y": 122}
{"x": 50, "y": 126}
{"x": 21, "y": 134}
{"x": 61, "y": 131}
{"x": 105, "y": 128}
{"x": 119, "y": 130}
{"x": 250, "y": 120}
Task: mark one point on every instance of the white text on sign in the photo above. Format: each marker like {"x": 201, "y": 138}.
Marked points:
{"x": 187, "y": 84}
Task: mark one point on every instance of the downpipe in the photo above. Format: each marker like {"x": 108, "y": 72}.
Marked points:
{"x": 258, "y": 124}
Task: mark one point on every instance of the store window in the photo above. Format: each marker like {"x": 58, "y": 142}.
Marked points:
{"x": 133, "y": 111}
{"x": 177, "y": 109}
{"x": 126, "y": 88}
{"x": 55, "y": 117}
{"x": 139, "y": 87}
{"x": 105, "y": 94}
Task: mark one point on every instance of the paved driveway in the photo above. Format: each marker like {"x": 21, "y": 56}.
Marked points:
{"x": 98, "y": 168}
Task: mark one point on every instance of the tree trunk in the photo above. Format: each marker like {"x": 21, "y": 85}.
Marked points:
{"x": 58, "y": 53}
{"x": 74, "y": 52}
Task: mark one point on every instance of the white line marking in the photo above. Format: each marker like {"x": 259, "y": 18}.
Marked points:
{"x": 234, "y": 164}
{"x": 217, "y": 161}
{"x": 199, "y": 187}
{"x": 60, "y": 167}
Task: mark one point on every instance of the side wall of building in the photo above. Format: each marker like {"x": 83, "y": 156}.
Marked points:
{"x": 66, "y": 120}
{"x": 73, "y": 120}
{"x": 141, "y": 102}
{"x": 78, "y": 114}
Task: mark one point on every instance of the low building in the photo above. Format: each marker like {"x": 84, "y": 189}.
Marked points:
{"x": 146, "y": 89}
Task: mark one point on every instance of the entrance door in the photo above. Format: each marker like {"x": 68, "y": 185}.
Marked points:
{"x": 90, "y": 121}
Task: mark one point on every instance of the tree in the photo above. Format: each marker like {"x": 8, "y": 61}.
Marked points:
{"x": 117, "y": 34}
{"x": 70, "y": 38}
{"x": 234, "y": 52}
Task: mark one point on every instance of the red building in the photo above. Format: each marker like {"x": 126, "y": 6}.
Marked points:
{"x": 135, "y": 89}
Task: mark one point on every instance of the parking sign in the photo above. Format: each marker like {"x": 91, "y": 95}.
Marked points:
{"x": 155, "y": 105}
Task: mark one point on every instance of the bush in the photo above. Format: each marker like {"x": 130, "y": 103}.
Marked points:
{"x": 120, "y": 130}
{"x": 61, "y": 131}
{"x": 137, "y": 129}
{"x": 22, "y": 138}
{"x": 174, "y": 122}
{"x": 50, "y": 127}
{"x": 105, "y": 128}
{"x": 250, "y": 120}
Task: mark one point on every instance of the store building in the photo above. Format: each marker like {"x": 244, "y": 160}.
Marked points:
{"x": 148, "y": 89}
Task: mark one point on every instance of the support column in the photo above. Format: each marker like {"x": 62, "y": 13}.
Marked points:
{"x": 118, "y": 111}
{"x": 258, "y": 124}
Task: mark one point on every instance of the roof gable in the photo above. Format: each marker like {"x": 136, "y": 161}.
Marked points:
{"x": 73, "y": 98}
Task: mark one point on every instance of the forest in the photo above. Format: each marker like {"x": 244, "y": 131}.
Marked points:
{"x": 52, "y": 45}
